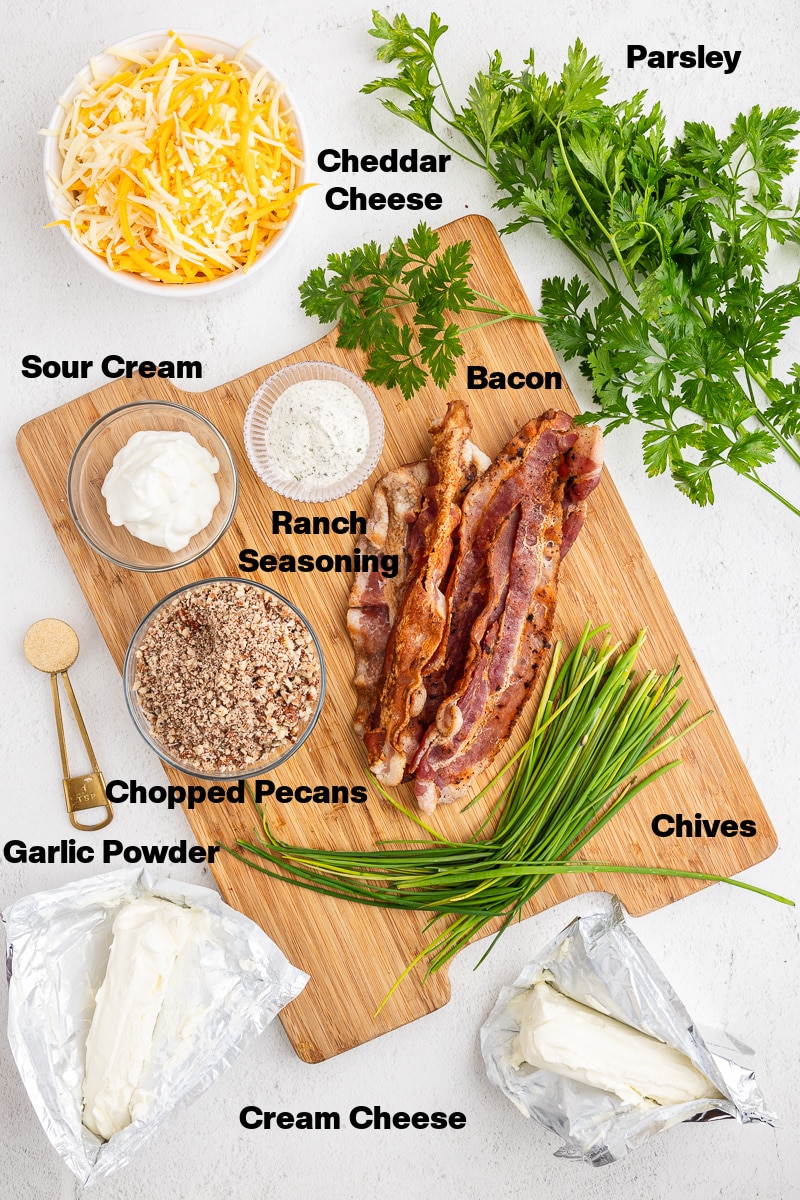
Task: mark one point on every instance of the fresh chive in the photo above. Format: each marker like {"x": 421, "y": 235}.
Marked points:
{"x": 594, "y": 732}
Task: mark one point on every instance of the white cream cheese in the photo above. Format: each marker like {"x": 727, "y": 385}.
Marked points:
{"x": 317, "y": 430}
{"x": 148, "y": 935}
{"x": 561, "y": 1035}
{"x": 161, "y": 487}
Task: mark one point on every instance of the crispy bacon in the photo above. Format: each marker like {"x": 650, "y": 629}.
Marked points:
{"x": 486, "y": 505}
{"x": 447, "y": 652}
{"x": 394, "y": 732}
{"x": 583, "y": 466}
{"x": 507, "y": 570}
{"x": 375, "y": 600}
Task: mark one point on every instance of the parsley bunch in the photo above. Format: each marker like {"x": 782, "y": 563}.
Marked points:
{"x": 364, "y": 289}
{"x": 686, "y": 333}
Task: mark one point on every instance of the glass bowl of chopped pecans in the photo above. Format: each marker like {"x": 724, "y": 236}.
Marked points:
{"x": 224, "y": 679}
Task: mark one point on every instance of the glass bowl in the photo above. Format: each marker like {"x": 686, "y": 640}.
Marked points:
{"x": 143, "y": 725}
{"x": 92, "y": 461}
{"x": 105, "y": 64}
{"x": 256, "y": 437}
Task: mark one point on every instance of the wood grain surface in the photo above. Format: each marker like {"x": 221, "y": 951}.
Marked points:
{"x": 352, "y": 953}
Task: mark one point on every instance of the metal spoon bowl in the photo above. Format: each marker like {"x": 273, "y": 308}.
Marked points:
{"x": 52, "y": 646}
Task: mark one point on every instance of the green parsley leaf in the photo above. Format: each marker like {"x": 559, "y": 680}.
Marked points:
{"x": 365, "y": 290}
{"x": 686, "y": 334}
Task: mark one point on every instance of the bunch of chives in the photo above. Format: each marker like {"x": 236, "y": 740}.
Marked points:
{"x": 594, "y": 733}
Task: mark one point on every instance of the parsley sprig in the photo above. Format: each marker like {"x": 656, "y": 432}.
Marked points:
{"x": 364, "y": 289}
{"x": 688, "y": 327}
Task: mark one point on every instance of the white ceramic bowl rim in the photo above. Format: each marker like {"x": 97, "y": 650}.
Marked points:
{"x": 141, "y": 724}
{"x": 52, "y": 158}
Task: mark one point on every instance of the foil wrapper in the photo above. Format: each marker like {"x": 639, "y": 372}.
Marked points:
{"x": 598, "y": 961}
{"x": 233, "y": 981}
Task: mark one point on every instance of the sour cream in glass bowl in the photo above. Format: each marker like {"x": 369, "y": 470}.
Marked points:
{"x": 143, "y": 495}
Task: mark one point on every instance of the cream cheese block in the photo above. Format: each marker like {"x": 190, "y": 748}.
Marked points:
{"x": 148, "y": 935}
{"x": 561, "y": 1035}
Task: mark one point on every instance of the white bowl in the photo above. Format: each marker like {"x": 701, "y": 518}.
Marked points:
{"x": 106, "y": 63}
{"x": 257, "y": 419}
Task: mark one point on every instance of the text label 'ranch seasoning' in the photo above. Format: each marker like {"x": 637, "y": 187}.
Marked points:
{"x": 317, "y": 430}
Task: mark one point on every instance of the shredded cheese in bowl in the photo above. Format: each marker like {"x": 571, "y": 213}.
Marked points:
{"x": 181, "y": 166}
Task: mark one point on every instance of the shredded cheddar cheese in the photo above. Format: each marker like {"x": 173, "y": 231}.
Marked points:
{"x": 181, "y": 166}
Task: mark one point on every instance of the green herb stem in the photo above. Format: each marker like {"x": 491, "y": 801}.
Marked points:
{"x": 364, "y": 288}
{"x": 595, "y": 734}
{"x": 765, "y": 486}
{"x": 605, "y": 232}
{"x": 677, "y": 237}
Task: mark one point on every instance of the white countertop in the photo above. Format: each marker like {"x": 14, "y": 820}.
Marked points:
{"x": 730, "y": 571}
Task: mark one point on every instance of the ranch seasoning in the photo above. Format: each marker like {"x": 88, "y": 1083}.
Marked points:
{"x": 317, "y": 430}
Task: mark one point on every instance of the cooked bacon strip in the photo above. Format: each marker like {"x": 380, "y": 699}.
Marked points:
{"x": 486, "y": 505}
{"x": 583, "y": 466}
{"x": 375, "y": 600}
{"x": 509, "y": 635}
{"x": 394, "y": 732}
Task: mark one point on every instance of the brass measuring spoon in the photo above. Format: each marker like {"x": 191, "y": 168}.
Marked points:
{"x": 52, "y": 646}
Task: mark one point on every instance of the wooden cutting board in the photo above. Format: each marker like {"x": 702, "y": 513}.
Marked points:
{"x": 352, "y": 953}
